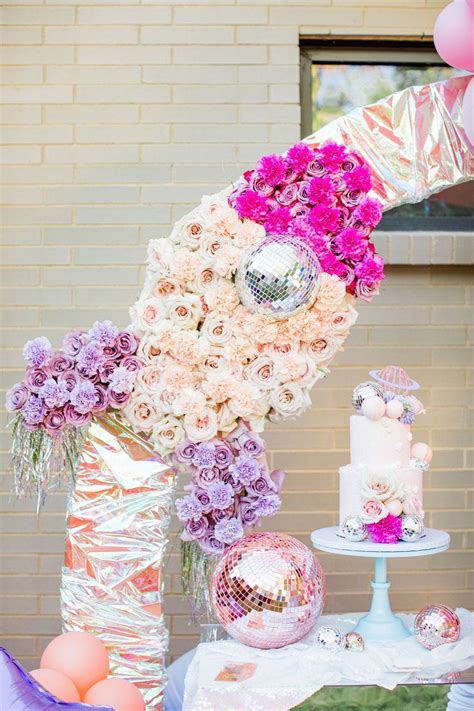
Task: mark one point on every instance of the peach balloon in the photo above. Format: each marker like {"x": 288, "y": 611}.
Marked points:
{"x": 394, "y": 409}
{"x": 373, "y": 407}
{"x": 394, "y": 506}
{"x": 118, "y": 693}
{"x": 452, "y": 35}
{"x": 423, "y": 451}
{"x": 80, "y": 656}
{"x": 57, "y": 684}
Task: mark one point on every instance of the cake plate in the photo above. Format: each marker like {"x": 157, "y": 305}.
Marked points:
{"x": 380, "y": 623}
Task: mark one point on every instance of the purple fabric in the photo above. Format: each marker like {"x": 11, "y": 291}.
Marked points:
{"x": 20, "y": 692}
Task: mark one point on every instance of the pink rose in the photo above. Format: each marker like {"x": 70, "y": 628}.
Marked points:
{"x": 183, "y": 311}
{"x": 288, "y": 195}
{"x": 54, "y": 421}
{"x": 75, "y": 418}
{"x": 373, "y": 510}
{"x": 36, "y": 377}
{"x": 60, "y": 363}
{"x": 192, "y": 232}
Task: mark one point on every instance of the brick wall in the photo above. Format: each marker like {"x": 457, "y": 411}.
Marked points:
{"x": 117, "y": 116}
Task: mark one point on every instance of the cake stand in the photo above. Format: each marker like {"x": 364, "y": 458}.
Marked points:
{"x": 380, "y": 623}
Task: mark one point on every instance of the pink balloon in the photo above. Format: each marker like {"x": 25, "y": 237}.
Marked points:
{"x": 118, "y": 693}
{"x": 80, "y": 656}
{"x": 57, "y": 684}
{"x": 453, "y": 35}
{"x": 468, "y": 111}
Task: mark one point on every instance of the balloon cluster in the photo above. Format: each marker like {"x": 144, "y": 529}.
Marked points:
{"x": 75, "y": 666}
{"x": 453, "y": 33}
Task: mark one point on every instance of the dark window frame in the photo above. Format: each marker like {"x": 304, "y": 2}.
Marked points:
{"x": 406, "y": 51}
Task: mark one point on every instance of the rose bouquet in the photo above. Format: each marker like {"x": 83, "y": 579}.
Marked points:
{"x": 93, "y": 372}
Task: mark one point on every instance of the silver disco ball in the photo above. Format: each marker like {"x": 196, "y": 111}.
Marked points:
{"x": 278, "y": 277}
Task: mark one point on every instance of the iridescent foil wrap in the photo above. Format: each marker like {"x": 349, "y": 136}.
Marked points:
{"x": 413, "y": 141}
{"x": 117, "y": 531}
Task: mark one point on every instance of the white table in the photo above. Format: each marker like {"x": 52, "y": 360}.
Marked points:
{"x": 380, "y": 623}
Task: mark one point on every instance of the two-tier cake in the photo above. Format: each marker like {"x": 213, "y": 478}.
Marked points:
{"x": 381, "y": 490}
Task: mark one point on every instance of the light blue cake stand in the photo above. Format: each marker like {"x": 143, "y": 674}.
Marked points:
{"x": 380, "y": 623}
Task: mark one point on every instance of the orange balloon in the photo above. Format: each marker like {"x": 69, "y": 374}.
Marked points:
{"x": 80, "y": 656}
{"x": 58, "y": 684}
{"x": 118, "y": 693}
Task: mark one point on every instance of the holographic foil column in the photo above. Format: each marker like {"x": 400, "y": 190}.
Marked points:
{"x": 117, "y": 524}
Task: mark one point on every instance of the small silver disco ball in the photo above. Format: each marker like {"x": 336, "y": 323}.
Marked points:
{"x": 412, "y": 528}
{"x": 363, "y": 391}
{"x": 329, "y": 637}
{"x": 278, "y": 277}
{"x": 354, "y": 642}
{"x": 354, "y": 529}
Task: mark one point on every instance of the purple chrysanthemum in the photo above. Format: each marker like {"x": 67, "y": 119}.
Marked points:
{"x": 350, "y": 244}
{"x": 229, "y": 530}
{"x": 244, "y": 470}
{"x": 54, "y": 394}
{"x": 84, "y": 396}
{"x": 33, "y": 410}
{"x": 267, "y": 505}
{"x": 220, "y": 495}
{"x": 188, "y": 507}
{"x": 251, "y": 205}
{"x": 103, "y": 333}
{"x": 299, "y": 156}
{"x": 121, "y": 380}
{"x": 271, "y": 169}
{"x": 38, "y": 352}
{"x": 90, "y": 359}
{"x": 205, "y": 455}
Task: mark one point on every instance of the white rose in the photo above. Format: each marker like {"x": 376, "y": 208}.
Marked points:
{"x": 289, "y": 400}
{"x": 217, "y": 329}
{"x": 189, "y": 230}
{"x": 167, "y": 433}
{"x": 202, "y": 427}
{"x": 184, "y": 311}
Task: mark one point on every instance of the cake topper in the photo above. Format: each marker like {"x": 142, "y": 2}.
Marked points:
{"x": 394, "y": 379}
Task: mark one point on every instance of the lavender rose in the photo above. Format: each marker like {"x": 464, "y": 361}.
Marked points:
{"x": 262, "y": 485}
{"x": 196, "y": 527}
{"x": 184, "y": 452}
{"x": 247, "y": 511}
{"x": 204, "y": 500}
{"x": 16, "y": 397}
{"x": 205, "y": 477}
{"x": 71, "y": 378}
{"x": 118, "y": 400}
{"x": 36, "y": 378}
{"x": 73, "y": 342}
{"x": 223, "y": 455}
{"x": 74, "y": 417}
{"x": 54, "y": 422}
{"x": 131, "y": 363}
{"x": 60, "y": 363}
{"x": 210, "y": 544}
{"x": 106, "y": 369}
{"x": 126, "y": 343}
{"x": 253, "y": 445}
{"x": 102, "y": 399}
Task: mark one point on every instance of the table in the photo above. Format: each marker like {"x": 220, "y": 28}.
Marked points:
{"x": 380, "y": 623}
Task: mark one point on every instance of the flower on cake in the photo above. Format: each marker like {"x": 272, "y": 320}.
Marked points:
{"x": 380, "y": 485}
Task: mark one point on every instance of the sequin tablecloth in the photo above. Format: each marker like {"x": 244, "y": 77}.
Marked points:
{"x": 283, "y": 678}
{"x": 117, "y": 531}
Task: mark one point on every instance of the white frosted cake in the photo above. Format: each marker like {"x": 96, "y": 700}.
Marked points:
{"x": 381, "y": 490}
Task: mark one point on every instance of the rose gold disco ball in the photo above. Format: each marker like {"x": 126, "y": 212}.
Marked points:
{"x": 268, "y": 590}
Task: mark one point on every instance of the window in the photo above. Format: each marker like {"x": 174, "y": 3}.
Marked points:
{"x": 339, "y": 76}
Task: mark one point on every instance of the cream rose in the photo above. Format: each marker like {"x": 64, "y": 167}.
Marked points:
{"x": 206, "y": 277}
{"x": 289, "y": 400}
{"x": 380, "y": 485}
{"x": 160, "y": 255}
{"x": 323, "y": 349}
{"x": 140, "y": 412}
{"x": 190, "y": 230}
{"x": 184, "y": 311}
{"x": 150, "y": 378}
{"x": 261, "y": 372}
{"x": 167, "y": 286}
{"x": 149, "y": 313}
{"x": 217, "y": 329}
{"x": 167, "y": 433}
{"x": 202, "y": 427}
{"x": 332, "y": 290}
{"x": 342, "y": 320}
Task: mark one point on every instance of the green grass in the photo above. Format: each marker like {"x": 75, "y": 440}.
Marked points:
{"x": 403, "y": 698}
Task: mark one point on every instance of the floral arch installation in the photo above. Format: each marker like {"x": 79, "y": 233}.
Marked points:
{"x": 414, "y": 144}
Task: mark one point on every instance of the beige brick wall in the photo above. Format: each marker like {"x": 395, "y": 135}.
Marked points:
{"x": 117, "y": 116}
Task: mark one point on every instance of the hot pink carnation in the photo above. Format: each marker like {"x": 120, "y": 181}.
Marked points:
{"x": 299, "y": 157}
{"x": 251, "y": 205}
{"x": 320, "y": 190}
{"x": 332, "y": 155}
{"x": 370, "y": 269}
{"x": 271, "y": 169}
{"x": 369, "y": 212}
{"x": 277, "y": 221}
{"x": 387, "y": 530}
{"x": 324, "y": 219}
{"x": 358, "y": 179}
{"x": 350, "y": 244}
